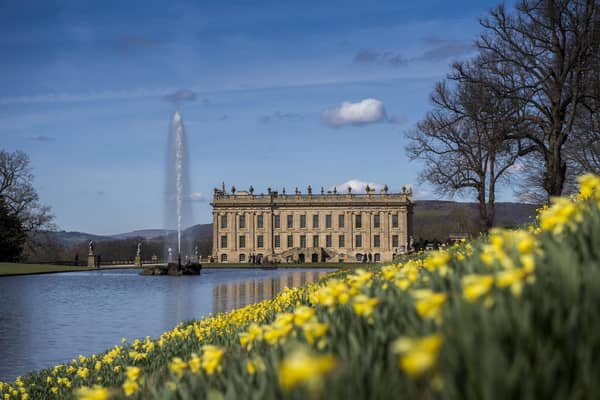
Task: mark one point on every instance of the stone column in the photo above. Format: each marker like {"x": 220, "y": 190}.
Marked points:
{"x": 251, "y": 216}
{"x": 369, "y": 219}
{"x": 385, "y": 231}
{"x": 268, "y": 235}
{"x": 234, "y": 230}
{"x": 216, "y": 222}
{"x": 350, "y": 230}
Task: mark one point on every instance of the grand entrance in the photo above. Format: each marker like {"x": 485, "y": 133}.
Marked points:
{"x": 314, "y": 258}
{"x": 301, "y": 258}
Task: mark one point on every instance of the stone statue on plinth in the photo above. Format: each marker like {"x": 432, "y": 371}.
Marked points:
{"x": 138, "y": 255}
{"x": 91, "y": 255}
{"x": 170, "y": 258}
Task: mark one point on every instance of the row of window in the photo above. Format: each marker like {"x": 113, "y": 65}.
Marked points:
{"x": 315, "y": 221}
{"x": 315, "y": 257}
{"x": 260, "y": 241}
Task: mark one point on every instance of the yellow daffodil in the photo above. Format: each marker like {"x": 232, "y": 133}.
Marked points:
{"x": 93, "y": 393}
{"x": 302, "y": 368}
{"x": 417, "y": 355}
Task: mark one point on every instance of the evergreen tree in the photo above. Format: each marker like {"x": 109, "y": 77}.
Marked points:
{"x": 12, "y": 236}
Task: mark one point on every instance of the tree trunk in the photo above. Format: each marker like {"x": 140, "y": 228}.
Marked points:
{"x": 556, "y": 168}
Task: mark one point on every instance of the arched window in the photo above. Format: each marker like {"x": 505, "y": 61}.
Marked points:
{"x": 223, "y": 257}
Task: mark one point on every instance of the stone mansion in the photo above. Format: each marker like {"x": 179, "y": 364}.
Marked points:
{"x": 308, "y": 228}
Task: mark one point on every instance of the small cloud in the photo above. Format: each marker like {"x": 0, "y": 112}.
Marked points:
{"x": 441, "y": 50}
{"x": 206, "y": 102}
{"x": 100, "y": 193}
{"x": 367, "y": 111}
{"x": 357, "y": 186}
{"x": 280, "y": 116}
{"x": 181, "y": 96}
{"x": 373, "y": 56}
{"x": 197, "y": 197}
{"x": 445, "y": 51}
{"x": 224, "y": 117}
{"x": 42, "y": 138}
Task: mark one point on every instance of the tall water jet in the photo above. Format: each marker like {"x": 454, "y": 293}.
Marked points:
{"x": 178, "y": 210}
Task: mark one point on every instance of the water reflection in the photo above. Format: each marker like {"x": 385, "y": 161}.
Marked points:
{"x": 232, "y": 295}
{"x": 50, "y": 319}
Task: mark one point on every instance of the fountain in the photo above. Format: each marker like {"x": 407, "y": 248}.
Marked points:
{"x": 178, "y": 210}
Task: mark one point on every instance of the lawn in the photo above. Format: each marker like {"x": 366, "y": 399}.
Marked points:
{"x": 26, "y": 269}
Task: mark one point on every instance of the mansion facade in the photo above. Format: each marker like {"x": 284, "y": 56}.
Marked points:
{"x": 309, "y": 228}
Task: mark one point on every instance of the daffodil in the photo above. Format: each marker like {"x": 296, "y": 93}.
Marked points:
{"x": 302, "y": 368}
{"x": 417, "y": 355}
{"x": 476, "y": 286}
{"x": 177, "y": 367}
{"x": 93, "y": 393}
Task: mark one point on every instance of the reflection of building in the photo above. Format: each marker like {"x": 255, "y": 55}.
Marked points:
{"x": 326, "y": 227}
{"x": 229, "y": 296}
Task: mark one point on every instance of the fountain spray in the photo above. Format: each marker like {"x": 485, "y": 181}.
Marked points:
{"x": 178, "y": 208}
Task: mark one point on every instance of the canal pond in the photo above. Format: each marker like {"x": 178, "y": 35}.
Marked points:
{"x": 52, "y": 318}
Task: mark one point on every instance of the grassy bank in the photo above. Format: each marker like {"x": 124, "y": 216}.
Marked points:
{"x": 26, "y": 269}
{"x": 510, "y": 315}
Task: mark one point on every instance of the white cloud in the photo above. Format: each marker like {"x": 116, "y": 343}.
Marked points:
{"x": 357, "y": 186}
{"x": 197, "y": 196}
{"x": 366, "y": 111}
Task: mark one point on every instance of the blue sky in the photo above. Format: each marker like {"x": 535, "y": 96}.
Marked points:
{"x": 83, "y": 86}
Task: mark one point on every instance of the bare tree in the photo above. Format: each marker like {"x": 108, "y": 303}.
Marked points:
{"x": 20, "y": 197}
{"x": 463, "y": 141}
{"x": 543, "y": 56}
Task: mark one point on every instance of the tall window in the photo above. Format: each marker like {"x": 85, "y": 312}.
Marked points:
{"x": 303, "y": 241}
{"x": 242, "y": 258}
{"x": 341, "y": 241}
{"x": 224, "y": 241}
{"x": 242, "y": 241}
{"x": 223, "y": 257}
{"x": 341, "y": 221}
{"x": 259, "y": 221}
{"x": 394, "y": 240}
{"x": 315, "y": 240}
{"x": 290, "y": 221}
{"x": 242, "y": 221}
{"x": 290, "y": 241}
{"x": 276, "y": 221}
{"x": 328, "y": 241}
{"x": 260, "y": 241}
{"x": 277, "y": 241}
{"x": 394, "y": 220}
{"x": 223, "y": 221}
{"x": 328, "y": 221}
{"x": 303, "y": 221}
{"x": 358, "y": 241}
{"x": 358, "y": 221}
{"x": 376, "y": 241}
{"x": 376, "y": 220}
{"x": 316, "y": 221}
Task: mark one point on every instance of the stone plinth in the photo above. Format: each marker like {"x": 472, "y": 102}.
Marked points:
{"x": 91, "y": 261}
{"x": 138, "y": 261}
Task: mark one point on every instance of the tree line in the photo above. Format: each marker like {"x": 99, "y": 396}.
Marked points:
{"x": 524, "y": 108}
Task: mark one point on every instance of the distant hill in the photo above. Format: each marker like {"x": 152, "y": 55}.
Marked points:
{"x": 143, "y": 233}
{"x": 70, "y": 238}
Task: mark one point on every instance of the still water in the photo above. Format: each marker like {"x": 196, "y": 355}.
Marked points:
{"x": 50, "y": 319}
